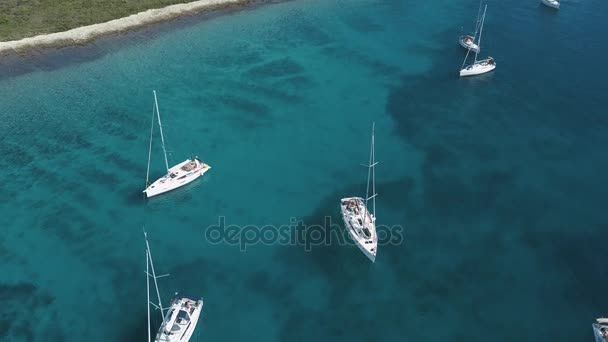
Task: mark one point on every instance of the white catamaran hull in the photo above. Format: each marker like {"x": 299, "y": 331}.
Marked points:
{"x": 478, "y": 68}
{"x": 180, "y": 322}
{"x": 361, "y": 225}
{"x": 551, "y": 3}
{"x": 178, "y": 176}
{"x": 468, "y": 43}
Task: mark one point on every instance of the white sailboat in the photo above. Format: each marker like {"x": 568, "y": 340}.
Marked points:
{"x": 178, "y": 175}
{"x": 180, "y": 319}
{"x": 551, "y": 3}
{"x": 359, "y": 222}
{"x": 600, "y": 330}
{"x": 482, "y": 66}
{"x": 468, "y": 41}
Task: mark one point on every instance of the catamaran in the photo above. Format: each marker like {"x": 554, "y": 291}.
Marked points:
{"x": 180, "y": 319}
{"x": 478, "y": 67}
{"x": 359, "y": 222}
{"x": 178, "y": 175}
{"x": 551, "y": 3}
{"x": 600, "y": 330}
{"x": 468, "y": 41}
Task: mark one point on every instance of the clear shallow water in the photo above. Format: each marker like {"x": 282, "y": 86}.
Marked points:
{"x": 498, "y": 181}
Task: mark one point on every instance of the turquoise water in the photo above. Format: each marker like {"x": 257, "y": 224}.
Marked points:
{"x": 498, "y": 181}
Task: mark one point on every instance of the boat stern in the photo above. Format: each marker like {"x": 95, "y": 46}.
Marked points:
{"x": 371, "y": 253}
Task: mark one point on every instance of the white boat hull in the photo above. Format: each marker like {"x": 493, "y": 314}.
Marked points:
{"x": 478, "y": 68}
{"x": 180, "y": 321}
{"x": 469, "y": 44}
{"x": 361, "y": 226}
{"x": 600, "y": 330}
{"x": 599, "y": 334}
{"x": 551, "y": 3}
{"x": 179, "y": 175}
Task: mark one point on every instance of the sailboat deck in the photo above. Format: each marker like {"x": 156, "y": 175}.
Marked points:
{"x": 181, "y": 320}
{"x": 178, "y": 175}
{"x": 359, "y": 218}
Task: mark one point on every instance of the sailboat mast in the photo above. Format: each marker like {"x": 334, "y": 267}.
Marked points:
{"x": 148, "y": 292}
{"x": 373, "y": 167}
{"x": 150, "y": 148}
{"x": 477, "y": 21}
{"x": 465, "y": 59}
{"x": 483, "y": 19}
{"x": 160, "y": 305}
{"x": 370, "y": 174}
{"x": 162, "y": 138}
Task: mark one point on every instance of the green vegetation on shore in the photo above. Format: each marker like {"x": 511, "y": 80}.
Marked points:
{"x": 27, "y": 18}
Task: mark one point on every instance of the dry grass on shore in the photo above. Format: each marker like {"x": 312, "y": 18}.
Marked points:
{"x": 26, "y": 18}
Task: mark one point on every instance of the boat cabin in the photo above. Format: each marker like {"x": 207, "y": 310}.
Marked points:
{"x": 178, "y": 320}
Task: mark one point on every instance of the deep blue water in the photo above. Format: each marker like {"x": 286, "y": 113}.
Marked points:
{"x": 499, "y": 181}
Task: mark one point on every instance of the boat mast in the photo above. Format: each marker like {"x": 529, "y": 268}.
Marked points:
{"x": 148, "y": 290}
{"x": 371, "y": 173}
{"x": 483, "y": 19}
{"x": 153, "y": 275}
{"x": 374, "y": 171}
{"x": 477, "y": 21}
{"x": 162, "y": 138}
{"x": 465, "y": 59}
{"x": 150, "y": 148}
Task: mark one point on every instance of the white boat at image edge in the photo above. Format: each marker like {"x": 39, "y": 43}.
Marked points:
{"x": 468, "y": 41}
{"x": 600, "y": 330}
{"x": 359, "y": 222}
{"x": 551, "y": 3}
{"x": 478, "y": 67}
{"x": 178, "y": 175}
{"x": 178, "y": 320}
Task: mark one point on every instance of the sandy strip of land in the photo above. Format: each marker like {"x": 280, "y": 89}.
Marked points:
{"x": 85, "y": 33}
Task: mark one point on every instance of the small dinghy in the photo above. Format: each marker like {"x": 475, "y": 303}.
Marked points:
{"x": 478, "y": 67}
{"x": 600, "y": 330}
{"x": 551, "y": 3}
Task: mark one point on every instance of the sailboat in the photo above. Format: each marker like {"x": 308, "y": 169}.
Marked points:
{"x": 359, "y": 222}
{"x": 551, "y": 3}
{"x": 482, "y": 66}
{"x": 600, "y": 330}
{"x": 468, "y": 41}
{"x": 178, "y": 175}
{"x": 180, "y": 319}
